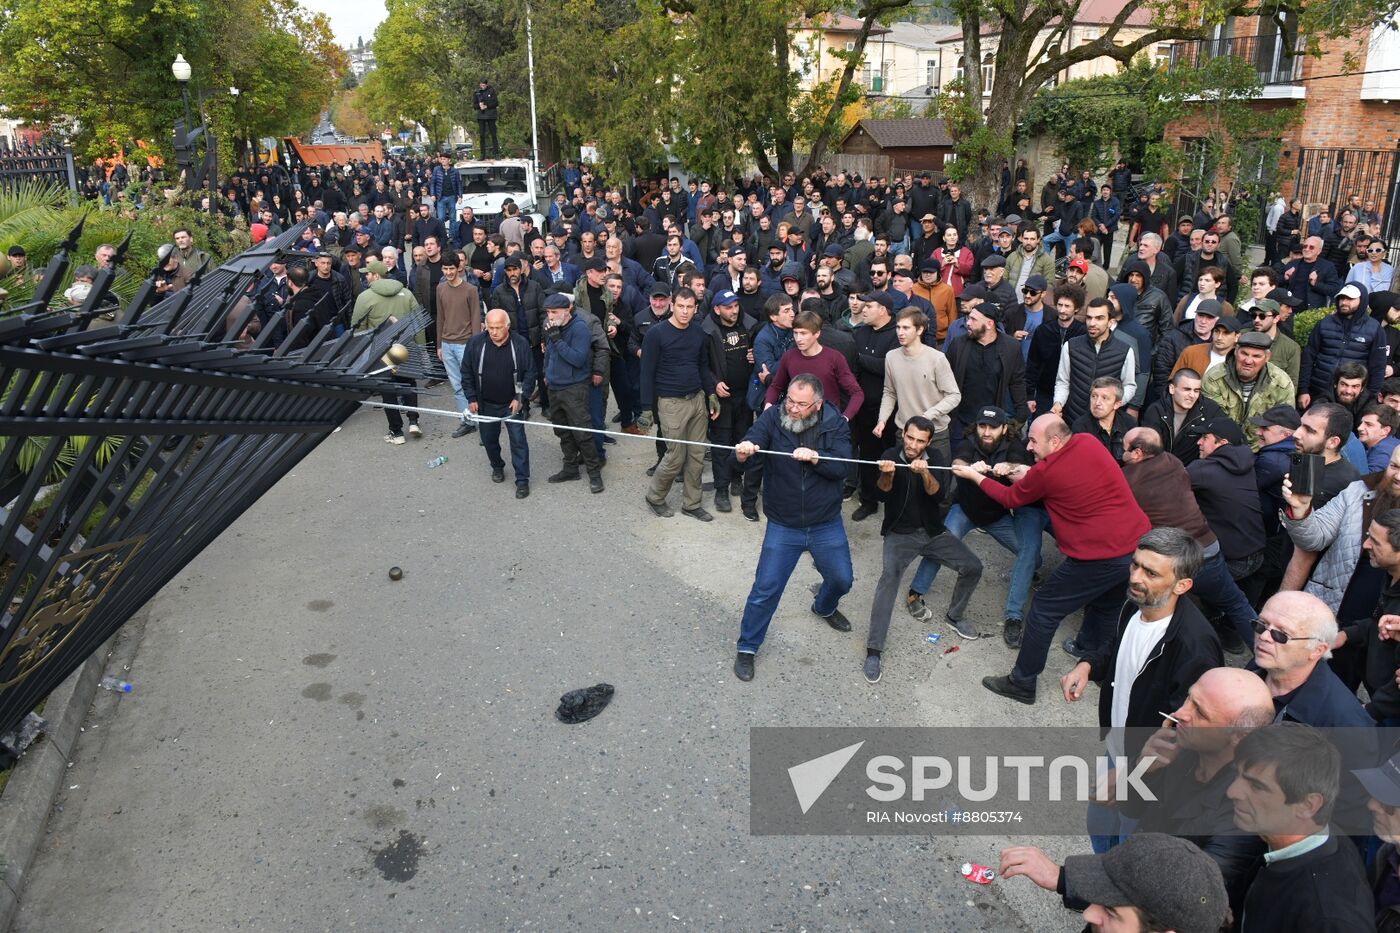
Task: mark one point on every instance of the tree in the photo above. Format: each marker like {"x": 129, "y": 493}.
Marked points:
{"x": 1024, "y": 62}
{"x": 411, "y": 80}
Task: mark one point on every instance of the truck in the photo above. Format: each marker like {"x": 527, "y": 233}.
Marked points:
{"x": 486, "y": 183}
{"x": 332, "y": 154}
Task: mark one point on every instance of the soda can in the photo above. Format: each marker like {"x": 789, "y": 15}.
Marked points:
{"x": 978, "y": 874}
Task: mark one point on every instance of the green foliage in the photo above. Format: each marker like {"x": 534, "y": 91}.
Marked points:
{"x": 1305, "y": 321}
{"x": 412, "y": 79}
{"x": 1093, "y": 120}
{"x": 102, "y": 73}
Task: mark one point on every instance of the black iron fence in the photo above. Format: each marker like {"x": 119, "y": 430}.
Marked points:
{"x": 125, "y": 449}
{"x": 1272, "y": 62}
{"x": 46, "y": 166}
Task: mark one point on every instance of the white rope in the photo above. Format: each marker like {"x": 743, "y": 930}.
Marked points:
{"x": 622, "y": 434}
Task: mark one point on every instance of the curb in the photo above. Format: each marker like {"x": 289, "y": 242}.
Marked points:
{"x": 29, "y": 795}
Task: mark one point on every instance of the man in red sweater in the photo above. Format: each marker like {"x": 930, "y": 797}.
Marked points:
{"x": 1097, "y": 524}
{"x": 839, "y": 385}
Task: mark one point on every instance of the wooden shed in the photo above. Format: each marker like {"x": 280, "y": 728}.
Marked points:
{"x": 909, "y": 144}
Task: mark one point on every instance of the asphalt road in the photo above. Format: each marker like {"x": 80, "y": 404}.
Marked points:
{"x": 312, "y": 746}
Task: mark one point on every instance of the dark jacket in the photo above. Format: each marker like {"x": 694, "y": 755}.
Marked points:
{"x": 1271, "y": 465}
{"x": 484, "y": 95}
{"x": 1314, "y": 295}
{"x": 1163, "y": 276}
{"x": 1162, "y": 417}
{"x": 1162, "y": 489}
{"x": 1012, "y": 383}
{"x": 872, "y": 345}
{"x": 472, "y": 359}
{"x": 797, "y": 494}
{"x": 1322, "y": 891}
{"x": 1189, "y": 648}
{"x": 1087, "y": 363}
{"x": 1228, "y": 494}
{"x": 1112, "y": 439}
{"x": 1337, "y": 339}
{"x": 1152, "y": 307}
{"x": 1188, "y": 270}
{"x": 1168, "y": 350}
{"x": 525, "y": 310}
{"x": 907, "y": 492}
{"x": 1382, "y": 657}
{"x": 958, "y": 213}
{"x": 568, "y": 356}
{"x": 714, "y": 340}
{"x": 1043, "y": 359}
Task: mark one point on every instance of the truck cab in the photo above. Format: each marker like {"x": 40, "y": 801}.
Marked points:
{"x": 486, "y": 183}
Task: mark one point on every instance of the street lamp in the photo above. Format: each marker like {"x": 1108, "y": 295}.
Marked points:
{"x": 181, "y": 70}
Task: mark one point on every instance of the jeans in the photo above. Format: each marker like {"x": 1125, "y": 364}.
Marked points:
{"x": 1214, "y": 586}
{"x": 1097, "y": 586}
{"x": 568, "y": 407}
{"x": 598, "y": 414}
{"x": 1108, "y": 827}
{"x": 444, "y": 210}
{"x": 452, "y": 354}
{"x": 1048, "y": 244}
{"x": 782, "y": 546}
{"x": 1020, "y": 532}
{"x": 405, "y": 396}
{"x": 490, "y": 432}
{"x": 683, "y": 418}
{"x": 899, "y": 551}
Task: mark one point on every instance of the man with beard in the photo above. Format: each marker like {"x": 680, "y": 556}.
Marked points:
{"x": 802, "y": 493}
{"x": 1087, "y": 358}
{"x": 1046, "y": 344}
{"x": 1097, "y": 524}
{"x": 731, "y": 360}
{"x": 1349, "y": 334}
{"x": 987, "y": 366}
{"x": 875, "y": 338}
{"x": 913, "y": 527}
{"x": 1247, "y": 384}
{"x": 993, "y": 451}
{"x": 1162, "y": 646}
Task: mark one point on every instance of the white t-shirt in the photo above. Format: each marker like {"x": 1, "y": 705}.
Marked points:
{"x": 1140, "y": 639}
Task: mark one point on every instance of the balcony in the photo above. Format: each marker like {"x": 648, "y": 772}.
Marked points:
{"x": 1278, "y": 72}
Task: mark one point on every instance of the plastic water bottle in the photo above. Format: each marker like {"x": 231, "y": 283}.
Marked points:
{"x": 436, "y": 462}
{"x": 113, "y": 683}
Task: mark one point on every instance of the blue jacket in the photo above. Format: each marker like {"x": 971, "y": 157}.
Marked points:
{"x": 445, "y": 183}
{"x": 1106, "y": 212}
{"x": 797, "y": 494}
{"x": 1271, "y": 465}
{"x": 1337, "y": 339}
{"x": 768, "y": 349}
{"x": 471, "y": 367}
{"x": 569, "y": 360}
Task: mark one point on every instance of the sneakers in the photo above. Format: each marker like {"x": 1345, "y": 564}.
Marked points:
{"x": 872, "y": 669}
{"x": 463, "y": 429}
{"x": 1073, "y": 649}
{"x": 963, "y": 627}
{"x": 917, "y": 608}
{"x": 848, "y": 493}
{"x": 743, "y": 666}
{"x": 393, "y": 439}
{"x": 661, "y": 509}
{"x": 1005, "y": 686}
{"x": 722, "y": 503}
{"x": 564, "y": 476}
{"x": 522, "y": 491}
{"x": 699, "y": 514}
{"x": 414, "y": 430}
{"x": 595, "y": 482}
{"x": 864, "y": 511}
{"x": 498, "y": 474}
{"x": 1012, "y": 631}
{"x": 750, "y": 512}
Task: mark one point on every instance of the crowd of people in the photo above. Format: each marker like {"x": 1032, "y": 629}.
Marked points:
{"x": 993, "y": 370}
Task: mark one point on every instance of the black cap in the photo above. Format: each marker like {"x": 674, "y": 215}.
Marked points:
{"x": 975, "y": 290}
{"x": 596, "y": 264}
{"x": 660, "y": 289}
{"x": 880, "y": 298}
{"x": 1283, "y": 416}
{"x": 16, "y": 250}
{"x": 990, "y": 415}
{"x": 1231, "y": 323}
{"x": 930, "y": 265}
{"x": 557, "y": 300}
{"x": 1284, "y": 297}
{"x": 1036, "y": 283}
{"x": 1209, "y": 307}
{"x": 1223, "y": 428}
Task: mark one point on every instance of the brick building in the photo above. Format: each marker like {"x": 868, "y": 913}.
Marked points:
{"x": 1347, "y": 139}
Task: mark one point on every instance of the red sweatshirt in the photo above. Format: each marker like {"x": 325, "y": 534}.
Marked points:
{"x": 831, "y": 368}
{"x": 1094, "y": 513}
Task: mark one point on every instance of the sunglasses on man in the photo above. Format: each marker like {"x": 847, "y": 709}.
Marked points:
{"x": 1278, "y": 636}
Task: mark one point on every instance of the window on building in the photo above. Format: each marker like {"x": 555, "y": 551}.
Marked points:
{"x": 850, "y": 46}
{"x": 932, "y": 68}
{"x": 988, "y": 72}
{"x": 962, "y": 67}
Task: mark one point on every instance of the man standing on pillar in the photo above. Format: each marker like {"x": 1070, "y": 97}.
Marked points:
{"x": 485, "y": 102}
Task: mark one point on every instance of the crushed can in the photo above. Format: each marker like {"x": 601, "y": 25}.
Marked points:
{"x": 978, "y": 874}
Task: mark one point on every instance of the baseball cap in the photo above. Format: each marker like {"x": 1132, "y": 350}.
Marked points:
{"x": 990, "y": 415}
{"x": 1081, "y": 264}
{"x": 1282, "y": 416}
{"x": 596, "y": 264}
{"x": 725, "y": 297}
{"x": 660, "y": 289}
{"x": 1208, "y": 307}
{"x": 1231, "y": 323}
{"x": 1036, "y": 283}
{"x": 377, "y": 267}
{"x": 1349, "y": 290}
{"x": 880, "y": 298}
{"x": 352, "y": 248}
{"x": 1382, "y": 782}
{"x": 833, "y": 250}
{"x": 930, "y": 265}
{"x": 557, "y": 301}
{"x": 1132, "y": 874}
{"x": 1267, "y": 304}
{"x": 16, "y": 250}
{"x": 1284, "y": 297}
{"x": 1254, "y": 338}
{"x": 735, "y": 251}
{"x": 975, "y": 290}
{"x": 994, "y": 261}
{"x": 1223, "y": 428}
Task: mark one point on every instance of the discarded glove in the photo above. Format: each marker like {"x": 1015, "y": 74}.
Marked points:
{"x": 578, "y": 706}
